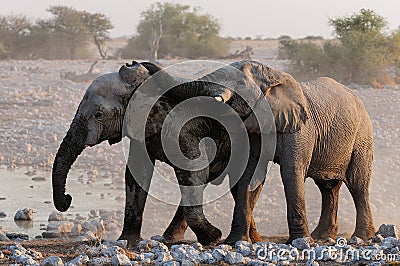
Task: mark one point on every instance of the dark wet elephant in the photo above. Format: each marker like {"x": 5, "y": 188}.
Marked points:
{"x": 100, "y": 117}
{"x": 323, "y": 132}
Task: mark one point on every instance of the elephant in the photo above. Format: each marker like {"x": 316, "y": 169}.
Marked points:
{"x": 100, "y": 117}
{"x": 323, "y": 131}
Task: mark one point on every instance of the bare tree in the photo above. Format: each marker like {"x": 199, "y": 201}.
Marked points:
{"x": 154, "y": 42}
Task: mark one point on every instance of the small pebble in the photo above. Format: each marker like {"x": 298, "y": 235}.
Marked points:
{"x": 234, "y": 258}
{"x": 301, "y": 243}
{"x": 24, "y": 214}
{"x": 387, "y": 230}
{"x": 52, "y": 261}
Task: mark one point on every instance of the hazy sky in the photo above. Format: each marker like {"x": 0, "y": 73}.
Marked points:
{"x": 297, "y": 18}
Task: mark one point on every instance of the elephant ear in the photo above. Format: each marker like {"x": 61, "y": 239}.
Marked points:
{"x": 132, "y": 75}
{"x": 285, "y": 97}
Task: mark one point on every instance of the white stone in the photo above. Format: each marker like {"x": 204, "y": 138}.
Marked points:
{"x": 158, "y": 238}
{"x": 387, "y": 230}
{"x": 112, "y": 251}
{"x": 24, "y": 214}
{"x": 76, "y": 230}
{"x": 62, "y": 227}
{"x": 149, "y": 255}
{"x": 146, "y": 261}
{"x": 52, "y": 261}
{"x": 120, "y": 259}
{"x": 185, "y": 253}
{"x": 95, "y": 251}
{"x": 197, "y": 246}
{"x": 161, "y": 248}
{"x": 207, "y": 258}
{"x": 100, "y": 261}
{"x": 378, "y": 238}
{"x": 34, "y": 254}
{"x": 234, "y": 258}
{"x": 312, "y": 263}
{"x": 120, "y": 243}
{"x": 301, "y": 243}
{"x": 3, "y": 236}
{"x": 80, "y": 260}
{"x": 259, "y": 263}
{"x": 56, "y": 216}
{"x": 163, "y": 257}
{"x": 27, "y": 260}
{"x": 244, "y": 248}
{"x": 389, "y": 242}
{"x": 356, "y": 241}
{"x": 171, "y": 263}
{"x": 90, "y": 236}
{"x": 224, "y": 247}
{"x": 218, "y": 254}
{"x": 147, "y": 245}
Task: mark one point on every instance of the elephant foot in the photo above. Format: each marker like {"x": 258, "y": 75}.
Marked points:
{"x": 291, "y": 238}
{"x": 208, "y": 235}
{"x": 254, "y": 235}
{"x": 233, "y": 238}
{"x": 322, "y": 234}
{"x": 132, "y": 239}
{"x": 173, "y": 237}
{"x": 365, "y": 234}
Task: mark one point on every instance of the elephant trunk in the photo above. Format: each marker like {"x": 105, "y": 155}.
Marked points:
{"x": 201, "y": 88}
{"x": 71, "y": 147}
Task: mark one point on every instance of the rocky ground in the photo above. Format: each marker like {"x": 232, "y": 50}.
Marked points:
{"x": 36, "y": 108}
{"x": 378, "y": 251}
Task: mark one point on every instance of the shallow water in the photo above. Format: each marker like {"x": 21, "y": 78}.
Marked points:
{"x": 20, "y": 191}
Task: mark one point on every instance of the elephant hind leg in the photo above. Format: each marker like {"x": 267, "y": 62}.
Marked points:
{"x": 177, "y": 228}
{"x": 358, "y": 180}
{"x": 328, "y": 223}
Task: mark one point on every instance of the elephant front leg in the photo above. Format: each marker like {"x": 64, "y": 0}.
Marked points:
{"x": 293, "y": 181}
{"x": 138, "y": 175}
{"x": 242, "y": 214}
{"x": 192, "y": 187}
{"x": 243, "y": 225}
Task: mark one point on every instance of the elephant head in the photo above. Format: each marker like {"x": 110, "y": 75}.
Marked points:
{"x": 284, "y": 94}
{"x": 99, "y": 117}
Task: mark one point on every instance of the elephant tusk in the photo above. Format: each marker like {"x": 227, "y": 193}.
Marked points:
{"x": 218, "y": 98}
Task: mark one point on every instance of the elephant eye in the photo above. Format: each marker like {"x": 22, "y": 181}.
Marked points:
{"x": 98, "y": 114}
{"x": 241, "y": 83}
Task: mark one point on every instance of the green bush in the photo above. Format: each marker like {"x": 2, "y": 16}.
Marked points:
{"x": 185, "y": 33}
{"x": 362, "y": 52}
{"x": 65, "y": 35}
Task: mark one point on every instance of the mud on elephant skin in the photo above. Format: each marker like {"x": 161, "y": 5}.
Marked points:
{"x": 323, "y": 132}
{"x": 100, "y": 117}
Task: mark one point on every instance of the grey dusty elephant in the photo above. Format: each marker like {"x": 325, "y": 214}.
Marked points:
{"x": 323, "y": 132}
{"x": 100, "y": 117}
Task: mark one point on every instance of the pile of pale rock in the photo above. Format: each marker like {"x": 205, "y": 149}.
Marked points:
{"x": 378, "y": 251}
